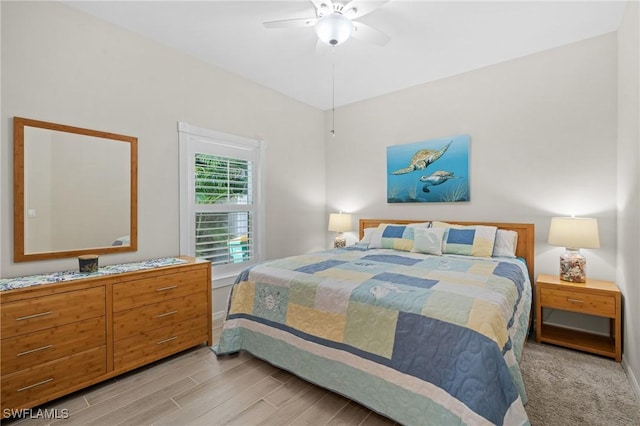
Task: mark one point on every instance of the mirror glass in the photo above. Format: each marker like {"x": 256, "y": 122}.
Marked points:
{"x": 75, "y": 191}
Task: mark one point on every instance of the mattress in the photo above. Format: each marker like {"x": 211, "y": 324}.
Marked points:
{"x": 421, "y": 339}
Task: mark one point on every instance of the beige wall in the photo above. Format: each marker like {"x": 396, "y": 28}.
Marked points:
{"x": 90, "y": 182}
{"x": 64, "y": 66}
{"x": 37, "y": 192}
{"x": 628, "y": 267}
{"x": 77, "y": 188}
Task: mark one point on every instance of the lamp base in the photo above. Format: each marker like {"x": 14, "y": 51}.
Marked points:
{"x": 573, "y": 266}
{"x": 339, "y": 242}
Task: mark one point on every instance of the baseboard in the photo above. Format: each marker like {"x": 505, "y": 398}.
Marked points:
{"x": 218, "y": 316}
{"x": 632, "y": 378}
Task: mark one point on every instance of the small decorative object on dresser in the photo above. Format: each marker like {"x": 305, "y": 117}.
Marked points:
{"x": 65, "y": 331}
{"x": 88, "y": 263}
{"x": 594, "y": 297}
{"x": 339, "y": 222}
{"x": 574, "y": 233}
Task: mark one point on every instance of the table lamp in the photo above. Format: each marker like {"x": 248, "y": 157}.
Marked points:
{"x": 339, "y": 222}
{"x": 574, "y": 233}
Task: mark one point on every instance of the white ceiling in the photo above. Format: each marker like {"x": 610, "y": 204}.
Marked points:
{"x": 430, "y": 40}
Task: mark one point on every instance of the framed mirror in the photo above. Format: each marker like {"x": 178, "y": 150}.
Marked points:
{"x": 75, "y": 191}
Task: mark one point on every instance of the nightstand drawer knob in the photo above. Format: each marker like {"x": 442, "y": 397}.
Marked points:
{"x": 574, "y": 300}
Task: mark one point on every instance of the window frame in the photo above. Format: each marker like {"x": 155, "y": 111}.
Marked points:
{"x": 192, "y": 140}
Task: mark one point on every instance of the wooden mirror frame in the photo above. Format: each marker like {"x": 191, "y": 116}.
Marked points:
{"x": 19, "y": 252}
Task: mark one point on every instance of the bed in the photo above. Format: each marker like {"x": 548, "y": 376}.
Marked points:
{"x": 421, "y": 337}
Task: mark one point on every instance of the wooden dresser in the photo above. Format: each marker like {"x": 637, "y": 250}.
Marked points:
{"x": 59, "y": 337}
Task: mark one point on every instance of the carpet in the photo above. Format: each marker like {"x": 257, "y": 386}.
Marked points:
{"x": 567, "y": 387}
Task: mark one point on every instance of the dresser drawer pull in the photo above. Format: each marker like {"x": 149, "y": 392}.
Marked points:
{"x": 34, "y": 350}
{"x": 167, "y": 340}
{"x": 166, "y": 288}
{"x": 166, "y": 314}
{"x": 41, "y": 314}
{"x": 574, "y": 300}
{"x": 35, "y": 384}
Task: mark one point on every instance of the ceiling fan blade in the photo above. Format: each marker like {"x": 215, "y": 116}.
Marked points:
{"x": 369, "y": 34}
{"x": 290, "y": 23}
{"x": 323, "y": 7}
{"x": 318, "y": 3}
{"x": 348, "y": 6}
{"x": 364, "y": 7}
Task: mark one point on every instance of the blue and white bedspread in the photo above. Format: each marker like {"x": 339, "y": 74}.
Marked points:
{"x": 420, "y": 339}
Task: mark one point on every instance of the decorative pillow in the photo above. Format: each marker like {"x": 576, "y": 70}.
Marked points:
{"x": 366, "y": 238}
{"x": 475, "y": 240}
{"x": 397, "y": 237}
{"x": 505, "y": 244}
{"x": 428, "y": 240}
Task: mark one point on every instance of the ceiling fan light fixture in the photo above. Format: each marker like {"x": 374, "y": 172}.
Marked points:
{"x": 334, "y": 29}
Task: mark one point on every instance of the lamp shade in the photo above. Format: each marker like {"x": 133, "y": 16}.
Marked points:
{"x": 339, "y": 222}
{"x": 574, "y": 232}
{"x": 334, "y": 29}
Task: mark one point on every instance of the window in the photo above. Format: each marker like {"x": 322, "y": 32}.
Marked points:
{"x": 220, "y": 208}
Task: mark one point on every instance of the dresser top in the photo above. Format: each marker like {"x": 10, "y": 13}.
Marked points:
{"x": 55, "y": 277}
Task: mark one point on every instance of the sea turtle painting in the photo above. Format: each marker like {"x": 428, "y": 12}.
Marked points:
{"x": 412, "y": 176}
{"x": 436, "y": 178}
{"x": 422, "y": 159}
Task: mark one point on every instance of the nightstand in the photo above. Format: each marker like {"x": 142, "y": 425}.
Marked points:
{"x": 600, "y": 298}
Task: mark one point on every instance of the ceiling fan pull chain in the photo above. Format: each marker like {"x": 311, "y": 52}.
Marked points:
{"x": 333, "y": 91}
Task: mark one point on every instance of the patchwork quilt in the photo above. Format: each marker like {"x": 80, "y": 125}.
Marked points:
{"x": 421, "y": 339}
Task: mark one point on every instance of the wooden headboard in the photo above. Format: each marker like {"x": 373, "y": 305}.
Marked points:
{"x": 526, "y": 235}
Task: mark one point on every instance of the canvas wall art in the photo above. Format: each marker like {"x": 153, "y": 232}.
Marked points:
{"x": 431, "y": 171}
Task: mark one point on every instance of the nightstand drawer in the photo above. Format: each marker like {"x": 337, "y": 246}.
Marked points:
{"x": 593, "y": 304}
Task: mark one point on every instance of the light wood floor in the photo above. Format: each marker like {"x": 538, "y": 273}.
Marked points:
{"x": 197, "y": 388}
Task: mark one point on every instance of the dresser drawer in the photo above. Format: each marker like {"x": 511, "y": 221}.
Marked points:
{"x": 131, "y": 322}
{"x": 19, "y": 389}
{"x": 29, "y": 350}
{"x": 147, "y": 291}
{"x": 151, "y": 345}
{"x": 44, "y": 312}
{"x": 576, "y": 301}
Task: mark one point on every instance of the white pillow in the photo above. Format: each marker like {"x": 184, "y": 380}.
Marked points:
{"x": 505, "y": 244}
{"x": 428, "y": 240}
{"x": 366, "y": 238}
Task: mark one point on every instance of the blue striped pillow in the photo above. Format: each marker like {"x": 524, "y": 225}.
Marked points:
{"x": 396, "y": 237}
{"x": 475, "y": 240}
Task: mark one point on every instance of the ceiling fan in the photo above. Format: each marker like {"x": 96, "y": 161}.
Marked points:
{"x": 335, "y": 22}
